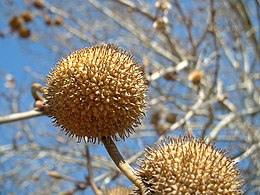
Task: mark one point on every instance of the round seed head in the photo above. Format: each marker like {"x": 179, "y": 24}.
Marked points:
{"x": 24, "y": 32}
{"x": 95, "y": 92}
{"x": 188, "y": 166}
{"x": 38, "y": 4}
{"x": 155, "y": 118}
{"x": 196, "y": 76}
{"x": 58, "y": 20}
{"x": 47, "y": 21}
{"x": 170, "y": 118}
{"x": 27, "y": 16}
{"x": 16, "y": 23}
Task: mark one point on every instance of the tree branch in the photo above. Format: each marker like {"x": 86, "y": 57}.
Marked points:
{"x": 20, "y": 116}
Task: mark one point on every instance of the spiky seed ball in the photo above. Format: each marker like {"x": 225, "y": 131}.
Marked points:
{"x": 48, "y": 21}
{"x": 170, "y": 118}
{"x": 196, "y": 76}
{"x": 58, "y": 20}
{"x": 155, "y": 118}
{"x": 95, "y": 92}
{"x": 188, "y": 166}
{"x": 24, "y": 32}
{"x": 16, "y": 23}
{"x": 118, "y": 191}
{"x": 38, "y": 4}
{"x": 27, "y": 16}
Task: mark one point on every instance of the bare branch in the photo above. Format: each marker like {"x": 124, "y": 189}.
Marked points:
{"x": 20, "y": 116}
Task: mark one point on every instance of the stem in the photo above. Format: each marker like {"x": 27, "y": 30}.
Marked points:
{"x": 20, "y": 116}
{"x": 121, "y": 163}
{"x": 36, "y": 87}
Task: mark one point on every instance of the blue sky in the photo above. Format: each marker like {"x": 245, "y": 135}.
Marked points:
{"x": 15, "y": 60}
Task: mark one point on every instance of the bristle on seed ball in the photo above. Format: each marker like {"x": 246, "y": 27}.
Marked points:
{"x": 95, "y": 92}
{"x": 186, "y": 165}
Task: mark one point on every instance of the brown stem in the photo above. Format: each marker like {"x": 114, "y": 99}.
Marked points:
{"x": 121, "y": 163}
{"x": 39, "y": 103}
{"x": 36, "y": 87}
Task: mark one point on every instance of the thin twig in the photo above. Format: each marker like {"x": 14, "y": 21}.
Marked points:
{"x": 142, "y": 10}
{"x": 248, "y": 152}
{"x": 177, "y": 68}
{"x": 90, "y": 173}
{"x": 190, "y": 113}
{"x": 133, "y": 29}
{"x": 228, "y": 119}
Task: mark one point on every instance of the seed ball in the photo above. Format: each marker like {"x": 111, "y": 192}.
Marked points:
{"x": 196, "y": 76}
{"x": 97, "y": 92}
{"x": 24, "y": 32}
{"x": 155, "y": 118}
{"x": 47, "y": 21}
{"x": 16, "y": 23}
{"x": 38, "y": 4}
{"x": 58, "y": 21}
{"x": 27, "y": 16}
{"x": 186, "y": 165}
{"x": 170, "y": 118}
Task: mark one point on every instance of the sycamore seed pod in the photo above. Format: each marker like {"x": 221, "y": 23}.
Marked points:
{"x": 16, "y": 23}
{"x": 155, "y": 118}
{"x": 24, "y": 32}
{"x": 170, "y": 118}
{"x": 196, "y": 76}
{"x": 47, "y": 21}
{"x": 27, "y": 16}
{"x": 38, "y": 4}
{"x": 95, "y": 92}
{"x": 188, "y": 166}
{"x": 58, "y": 20}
